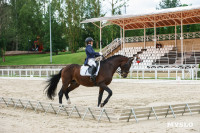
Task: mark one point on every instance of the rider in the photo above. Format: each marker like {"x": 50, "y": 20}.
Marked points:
{"x": 91, "y": 54}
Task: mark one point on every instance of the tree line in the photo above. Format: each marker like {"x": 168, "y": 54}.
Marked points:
{"x": 22, "y": 21}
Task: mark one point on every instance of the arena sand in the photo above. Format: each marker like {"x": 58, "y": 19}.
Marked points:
{"x": 126, "y": 93}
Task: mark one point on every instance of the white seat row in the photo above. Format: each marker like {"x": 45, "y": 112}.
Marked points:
{"x": 148, "y": 56}
{"x": 152, "y": 54}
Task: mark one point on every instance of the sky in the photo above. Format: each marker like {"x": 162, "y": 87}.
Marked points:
{"x": 141, "y": 6}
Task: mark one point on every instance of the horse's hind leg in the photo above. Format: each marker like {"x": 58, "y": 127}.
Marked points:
{"x": 60, "y": 95}
{"x": 61, "y": 92}
{"x": 72, "y": 86}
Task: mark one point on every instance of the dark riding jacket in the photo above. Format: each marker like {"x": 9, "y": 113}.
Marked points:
{"x": 90, "y": 53}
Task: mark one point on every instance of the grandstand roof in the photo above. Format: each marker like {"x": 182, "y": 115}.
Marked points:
{"x": 162, "y": 18}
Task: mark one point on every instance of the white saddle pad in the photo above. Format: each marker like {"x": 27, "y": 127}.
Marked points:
{"x": 84, "y": 70}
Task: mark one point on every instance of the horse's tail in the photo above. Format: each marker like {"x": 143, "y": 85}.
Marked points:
{"x": 52, "y": 85}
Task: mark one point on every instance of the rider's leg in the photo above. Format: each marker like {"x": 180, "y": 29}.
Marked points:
{"x": 92, "y": 63}
{"x": 93, "y": 77}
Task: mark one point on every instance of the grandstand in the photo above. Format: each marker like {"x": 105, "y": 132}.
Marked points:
{"x": 176, "y": 49}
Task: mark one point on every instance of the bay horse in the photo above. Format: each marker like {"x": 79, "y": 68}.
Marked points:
{"x": 72, "y": 79}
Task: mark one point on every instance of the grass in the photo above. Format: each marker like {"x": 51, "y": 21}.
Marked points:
{"x": 44, "y": 59}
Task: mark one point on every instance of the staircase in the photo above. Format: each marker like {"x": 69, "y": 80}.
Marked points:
{"x": 113, "y": 47}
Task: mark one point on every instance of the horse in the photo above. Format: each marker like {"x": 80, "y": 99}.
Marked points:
{"x": 71, "y": 78}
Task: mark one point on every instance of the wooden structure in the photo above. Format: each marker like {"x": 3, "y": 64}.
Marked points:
{"x": 159, "y": 18}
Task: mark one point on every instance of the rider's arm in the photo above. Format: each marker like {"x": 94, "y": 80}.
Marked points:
{"x": 92, "y": 52}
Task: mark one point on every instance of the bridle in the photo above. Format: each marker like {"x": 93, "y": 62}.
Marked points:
{"x": 120, "y": 71}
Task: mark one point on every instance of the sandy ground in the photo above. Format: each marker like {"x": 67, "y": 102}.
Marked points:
{"x": 126, "y": 93}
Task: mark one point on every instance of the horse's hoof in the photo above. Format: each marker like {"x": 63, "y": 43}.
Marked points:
{"x": 68, "y": 101}
{"x": 61, "y": 105}
{"x": 101, "y": 105}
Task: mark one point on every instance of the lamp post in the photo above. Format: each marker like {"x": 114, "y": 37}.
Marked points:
{"x": 29, "y": 45}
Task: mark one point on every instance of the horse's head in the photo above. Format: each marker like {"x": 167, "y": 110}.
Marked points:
{"x": 125, "y": 66}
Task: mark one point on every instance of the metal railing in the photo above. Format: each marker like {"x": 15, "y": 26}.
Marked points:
{"x": 162, "y": 37}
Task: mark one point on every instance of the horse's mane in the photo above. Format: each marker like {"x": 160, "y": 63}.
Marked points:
{"x": 112, "y": 57}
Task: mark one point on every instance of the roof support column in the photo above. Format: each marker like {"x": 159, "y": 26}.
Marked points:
{"x": 123, "y": 35}
{"x": 100, "y": 36}
{"x": 175, "y": 35}
{"x": 155, "y": 34}
{"x": 181, "y": 39}
{"x": 144, "y": 37}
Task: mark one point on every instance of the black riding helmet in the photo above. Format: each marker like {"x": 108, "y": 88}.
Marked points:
{"x": 89, "y": 39}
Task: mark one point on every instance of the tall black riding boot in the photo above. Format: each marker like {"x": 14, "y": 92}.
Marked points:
{"x": 93, "y": 76}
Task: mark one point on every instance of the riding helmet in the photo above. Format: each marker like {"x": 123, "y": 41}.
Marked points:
{"x": 89, "y": 39}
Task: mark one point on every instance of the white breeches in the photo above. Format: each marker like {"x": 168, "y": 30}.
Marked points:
{"x": 91, "y": 62}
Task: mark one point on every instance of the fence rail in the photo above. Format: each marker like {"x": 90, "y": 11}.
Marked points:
{"x": 163, "y": 73}
{"x": 28, "y": 72}
{"x": 151, "y": 72}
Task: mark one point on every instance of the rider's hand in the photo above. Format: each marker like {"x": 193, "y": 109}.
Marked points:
{"x": 100, "y": 53}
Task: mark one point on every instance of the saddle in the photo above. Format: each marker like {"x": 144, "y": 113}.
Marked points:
{"x": 86, "y": 70}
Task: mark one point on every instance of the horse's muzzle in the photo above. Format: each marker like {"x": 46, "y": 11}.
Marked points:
{"x": 124, "y": 75}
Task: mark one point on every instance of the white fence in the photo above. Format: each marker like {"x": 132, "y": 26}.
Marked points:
{"x": 153, "y": 72}
{"x": 28, "y": 72}
{"x": 177, "y": 72}
{"x": 163, "y": 73}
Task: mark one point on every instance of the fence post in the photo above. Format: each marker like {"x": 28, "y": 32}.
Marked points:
{"x": 142, "y": 73}
{"x": 168, "y": 74}
{"x": 131, "y": 74}
{"x": 20, "y": 73}
{"x": 183, "y": 74}
{"x": 40, "y": 73}
{"x": 192, "y": 73}
{"x": 26, "y": 73}
{"x": 156, "y": 76}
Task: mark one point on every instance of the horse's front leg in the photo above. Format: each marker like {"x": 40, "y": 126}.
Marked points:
{"x": 105, "y": 87}
{"x": 100, "y": 96}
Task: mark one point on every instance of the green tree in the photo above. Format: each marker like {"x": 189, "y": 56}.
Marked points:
{"x": 57, "y": 27}
{"x": 164, "y": 4}
{"x": 92, "y": 10}
{"x": 4, "y": 27}
{"x": 73, "y": 19}
{"x": 169, "y": 4}
{"x": 116, "y": 7}
{"x": 30, "y": 21}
